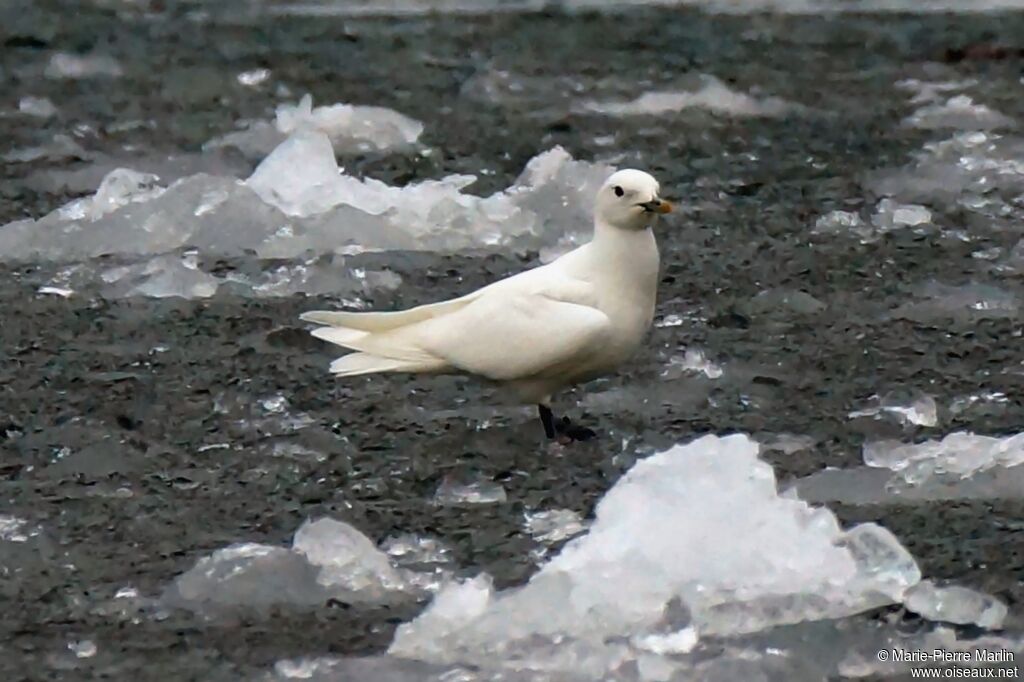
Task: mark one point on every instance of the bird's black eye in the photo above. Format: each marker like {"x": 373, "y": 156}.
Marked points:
{"x": 618, "y": 191}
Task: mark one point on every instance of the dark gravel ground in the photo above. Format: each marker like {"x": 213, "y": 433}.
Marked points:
{"x": 133, "y": 500}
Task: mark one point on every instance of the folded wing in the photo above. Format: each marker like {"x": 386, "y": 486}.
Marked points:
{"x": 501, "y": 333}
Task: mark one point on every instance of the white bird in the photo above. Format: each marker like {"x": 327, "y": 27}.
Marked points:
{"x": 536, "y": 332}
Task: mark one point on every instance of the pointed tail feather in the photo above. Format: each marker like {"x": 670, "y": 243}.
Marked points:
{"x": 355, "y": 364}
{"x": 341, "y": 336}
{"x": 381, "y": 322}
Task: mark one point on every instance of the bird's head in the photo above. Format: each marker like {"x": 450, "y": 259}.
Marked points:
{"x": 629, "y": 200}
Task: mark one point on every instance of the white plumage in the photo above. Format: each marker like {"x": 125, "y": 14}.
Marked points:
{"x": 536, "y": 332}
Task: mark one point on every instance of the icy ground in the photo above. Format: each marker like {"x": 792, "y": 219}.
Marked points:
{"x": 301, "y": 214}
{"x": 693, "y": 563}
{"x": 186, "y": 494}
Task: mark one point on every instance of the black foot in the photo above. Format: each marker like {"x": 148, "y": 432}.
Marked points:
{"x": 562, "y": 429}
{"x": 573, "y": 432}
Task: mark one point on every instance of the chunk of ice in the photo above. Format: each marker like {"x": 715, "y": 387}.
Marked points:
{"x": 85, "y": 648}
{"x": 346, "y": 558}
{"x": 452, "y": 493}
{"x": 410, "y": 551}
{"x": 961, "y": 454}
{"x": 298, "y": 205}
{"x": 955, "y": 604}
{"x": 328, "y": 559}
{"x": 842, "y": 222}
{"x": 693, "y": 361}
{"x": 931, "y": 91}
{"x": 554, "y": 525}
{"x": 64, "y": 65}
{"x": 12, "y": 529}
{"x": 700, "y": 529}
{"x": 161, "y": 277}
{"x": 253, "y": 77}
{"x": 909, "y": 406}
{"x": 712, "y": 95}
{"x": 426, "y": 562}
{"x": 982, "y": 172}
{"x": 892, "y": 215}
{"x": 61, "y": 147}
{"x": 248, "y": 575}
{"x": 63, "y": 292}
{"x": 351, "y": 129}
{"x": 670, "y": 320}
{"x": 39, "y": 107}
{"x": 958, "y": 112}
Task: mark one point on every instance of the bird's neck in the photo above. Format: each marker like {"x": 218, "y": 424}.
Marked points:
{"x": 628, "y": 255}
{"x": 617, "y": 244}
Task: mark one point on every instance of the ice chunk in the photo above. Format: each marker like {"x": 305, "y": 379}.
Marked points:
{"x": 40, "y": 107}
{"x": 161, "y": 277}
{"x": 931, "y": 91}
{"x": 410, "y": 551}
{"x": 328, "y": 559}
{"x": 12, "y": 529}
{"x": 297, "y": 206}
{"x": 333, "y": 211}
{"x": 909, "y": 406}
{"x": 61, "y": 147}
{"x": 72, "y": 66}
{"x": 961, "y": 454}
{"x": 713, "y": 95}
{"x": 958, "y": 112}
{"x": 891, "y": 215}
{"x": 694, "y": 361}
{"x": 955, "y": 604}
{"x": 301, "y": 178}
{"x": 554, "y": 525}
{"x": 969, "y": 402}
{"x": 85, "y": 648}
{"x": 120, "y": 187}
{"x": 248, "y": 575}
{"x": 670, "y": 320}
{"x": 869, "y": 485}
{"x": 366, "y": 128}
{"x": 346, "y": 558}
{"x": 254, "y": 77}
{"x": 842, "y": 222}
{"x": 692, "y": 541}
{"x": 425, "y": 562}
{"x": 63, "y": 292}
{"x": 982, "y": 172}
{"x": 453, "y": 493}
{"x": 350, "y": 129}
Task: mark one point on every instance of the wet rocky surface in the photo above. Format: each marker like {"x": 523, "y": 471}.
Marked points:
{"x": 138, "y": 435}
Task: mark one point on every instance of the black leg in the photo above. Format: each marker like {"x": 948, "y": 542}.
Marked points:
{"x": 547, "y": 419}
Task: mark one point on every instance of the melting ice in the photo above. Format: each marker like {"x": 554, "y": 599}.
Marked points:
{"x": 297, "y": 207}
{"x": 351, "y": 129}
{"x": 694, "y": 568}
{"x": 328, "y": 559}
{"x": 962, "y": 465}
{"x": 713, "y": 95}
{"x": 667, "y": 561}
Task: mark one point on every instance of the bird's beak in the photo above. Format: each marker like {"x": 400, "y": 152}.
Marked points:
{"x": 657, "y": 206}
